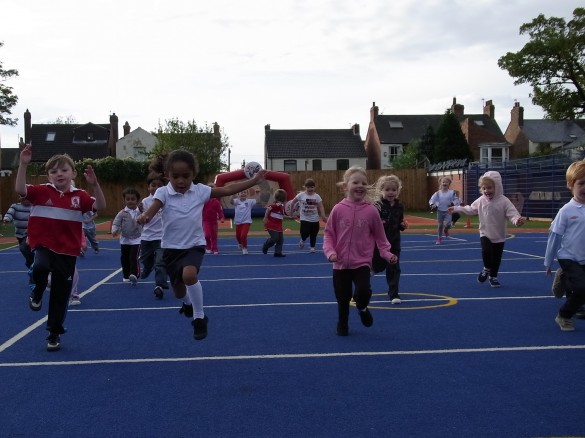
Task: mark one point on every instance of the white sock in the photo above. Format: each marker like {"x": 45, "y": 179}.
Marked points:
{"x": 186, "y": 299}
{"x": 195, "y": 292}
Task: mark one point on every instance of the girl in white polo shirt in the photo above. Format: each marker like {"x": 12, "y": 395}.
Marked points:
{"x": 183, "y": 240}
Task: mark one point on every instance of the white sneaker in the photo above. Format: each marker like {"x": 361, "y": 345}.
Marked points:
{"x": 132, "y": 279}
{"x": 301, "y": 244}
{"x": 244, "y": 251}
{"x": 207, "y": 251}
{"x": 312, "y": 250}
{"x": 215, "y": 252}
{"x": 74, "y": 301}
{"x": 126, "y": 280}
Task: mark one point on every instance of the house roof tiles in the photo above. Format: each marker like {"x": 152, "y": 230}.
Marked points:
{"x": 314, "y": 143}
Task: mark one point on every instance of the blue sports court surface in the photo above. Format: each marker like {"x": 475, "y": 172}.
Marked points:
{"x": 455, "y": 359}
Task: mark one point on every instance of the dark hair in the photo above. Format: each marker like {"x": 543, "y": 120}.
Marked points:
{"x": 155, "y": 176}
{"x": 309, "y": 182}
{"x": 162, "y": 163}
{"x": 130, "y": 191}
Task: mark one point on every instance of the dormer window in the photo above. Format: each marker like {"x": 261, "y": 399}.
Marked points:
{"x": 479, "y": 123}
{"x": 395, "y": 124}
{"x": 50, "y": 136}
{"x": 90, "y": 136}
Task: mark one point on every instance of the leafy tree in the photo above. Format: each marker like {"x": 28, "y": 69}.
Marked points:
{"x": 411, "y": 158}
{"x": 205, "y": 143}
{"x": 65, "y": 120}
{"x": 450, "y": 143}
{"x": 7, "y": 98}
{"x": 553, "y": 63}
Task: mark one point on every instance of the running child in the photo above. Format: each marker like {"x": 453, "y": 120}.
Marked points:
{"x": 353, "y": 230}
{"x": 442, "y": 199}
{"x": 129, "y": 230}
{"x": 150, "y": 250}
{"x": 273, "y": 224}
{"x": 311, "y": 211}
{"x": 58, "y": 207}
{"x": 212, "y": 212}
{"x": 19, "y": 213}
{"x": 392, "y": 215}
{"x": 89, "y": 230}
{"x": 566, "y": 242}
{"x": 183, "y": 241}
{"x": 243, "y": 218}
{"x": 494, "y": 210}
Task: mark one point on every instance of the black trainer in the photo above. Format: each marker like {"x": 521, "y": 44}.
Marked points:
{"x": 187, "y": 310}
{"x": 483, "y": 275}
{"x": 200, "y": 328}
{"x": 494, "y": 282}
{"x": 159, "y": 293}
{"x": 366, "y": 317}
{"x": 35, "y": 303}
{"x": 54, "y": 343}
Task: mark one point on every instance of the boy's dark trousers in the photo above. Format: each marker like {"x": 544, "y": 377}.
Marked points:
{"x": 25, "y": 250}
{"x": 62, "y": 268}
{"x": 151, "y": 257}
{"x": 575, "y": 279}
{"x": 276, "y": 238}
{"x": 129, "y": 260}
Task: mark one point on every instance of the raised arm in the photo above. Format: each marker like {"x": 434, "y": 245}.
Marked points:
{"x": 25, "y": 157}
{"x": 232, "y": 189}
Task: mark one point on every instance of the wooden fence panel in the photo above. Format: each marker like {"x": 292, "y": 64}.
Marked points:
{"x": 414, "y": 194}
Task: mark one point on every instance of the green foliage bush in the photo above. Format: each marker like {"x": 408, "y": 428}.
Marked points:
{"x": 108, "y": 169}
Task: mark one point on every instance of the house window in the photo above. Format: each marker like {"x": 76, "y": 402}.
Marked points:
{"x": 317, "y": 165}
{"x": 50, "y": 136}
{"x": 395, "y": 124}
{"x": 394, "y": 152}
{"x": 90, "y": 136}
{"x": 479, "y": 123}
{"x": 290, "y": 165}
{"x": 343, "y": 164}
{"x": 494, "y": 155}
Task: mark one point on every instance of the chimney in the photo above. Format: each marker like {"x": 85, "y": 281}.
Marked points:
{"x": 216, "y": 129}
{"x": 457, "y": 109}
{"x": 373, "y": 112}
{"x": 126, "y": 128}
{"x": 356, "y": 129}
{"x": 267, "y": 128}
{"x": 113, "y": 135}
{"x": 27, "y": 127}
{"x": 489, "y": 109}
{"x": 517, "y": 115}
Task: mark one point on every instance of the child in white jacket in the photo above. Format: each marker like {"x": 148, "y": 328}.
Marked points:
{"x": 494, "y": 210}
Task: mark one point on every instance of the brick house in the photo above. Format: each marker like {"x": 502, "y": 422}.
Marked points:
{"x": 388, "y": 135}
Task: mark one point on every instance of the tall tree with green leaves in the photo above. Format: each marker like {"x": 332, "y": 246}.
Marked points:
{"x": 553, "y": 63}
{"x": 206, "y": 143}
{"x": 7, "y": 98}
{"x": 450, "y": 143}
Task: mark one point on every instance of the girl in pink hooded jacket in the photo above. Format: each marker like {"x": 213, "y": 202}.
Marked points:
{"x": 494, "y": 210}
{"x": 353, "y": 230}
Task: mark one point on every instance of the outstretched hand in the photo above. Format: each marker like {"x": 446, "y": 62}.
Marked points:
{"x": 90, "y": 175}
{"x": 26, "y": 154}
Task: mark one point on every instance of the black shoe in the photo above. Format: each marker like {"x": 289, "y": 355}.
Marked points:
{"x": 342, "y": 329}
{"x": 482, "y": 276}
{"x": 54, "y": 343}
{"x": 187, "y": 310}
{"x": 200, "y": 328}
{"x": 366, "y": 317}
{"x": 264, "y": 249}
{"x": 159, "y": 293}
{"x": 144, "y": 274}
{"x": 494, "y": 282}
{"x": 35, "y": 303}
{"x": 279, "y": 254}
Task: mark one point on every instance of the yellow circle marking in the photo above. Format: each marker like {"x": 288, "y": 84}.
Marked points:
{"x": 449, "y": 301}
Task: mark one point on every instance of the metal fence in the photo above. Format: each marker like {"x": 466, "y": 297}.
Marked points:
{"x": 537, "y": 186}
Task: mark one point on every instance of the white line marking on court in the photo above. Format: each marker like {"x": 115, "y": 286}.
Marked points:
{"x": 32, "y": 327}
{"x": 298, "y": 356}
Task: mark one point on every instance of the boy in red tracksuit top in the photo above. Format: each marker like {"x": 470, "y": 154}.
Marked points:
{"x": 212, "y": 211}
{"x": 54, "y": 232}
{"x": 273, "y": 224}
{"x": 353, "y": 230}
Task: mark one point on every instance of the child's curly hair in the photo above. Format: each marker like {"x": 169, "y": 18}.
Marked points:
{"x": 387, "y": 179}
{"x": 371, "y": 193}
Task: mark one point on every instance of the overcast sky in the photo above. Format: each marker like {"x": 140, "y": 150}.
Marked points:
{"x": 293, "y": 64}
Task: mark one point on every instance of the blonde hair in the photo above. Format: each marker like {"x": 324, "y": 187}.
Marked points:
{"x": 486, "y": 179}
{"x": 574, "y": 172}
{"x": 387, "y": 179}
{"x": 445, "y": 177}
{"x": 371, "y": 194}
